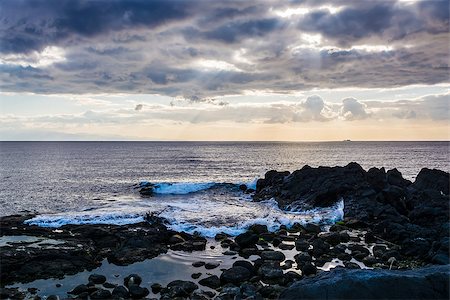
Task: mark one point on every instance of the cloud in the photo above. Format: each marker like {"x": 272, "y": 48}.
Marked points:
{"x": 388, "y": 20}
{"x": 431, "y": 107}
{"x": 211, "y": 49}
{"x": 312, "y": 109}
{"x": 352, "y": 109}
{"x": 54, "y": 22}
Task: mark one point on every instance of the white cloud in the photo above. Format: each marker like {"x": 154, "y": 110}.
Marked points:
{"x": 352, "y": 109}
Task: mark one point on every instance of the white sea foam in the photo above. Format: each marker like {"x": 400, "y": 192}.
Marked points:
{"x": 58, "y": 220}
{"x": 252, "y": 184}
{"x": 220, "y": 210}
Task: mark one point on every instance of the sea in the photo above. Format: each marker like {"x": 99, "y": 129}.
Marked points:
{"x": 197, "y": 183}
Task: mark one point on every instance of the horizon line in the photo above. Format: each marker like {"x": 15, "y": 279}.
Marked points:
{"x": 227, "y": 141}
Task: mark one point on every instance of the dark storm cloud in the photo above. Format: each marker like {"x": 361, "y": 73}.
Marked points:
{"x": 387, "y": 19}
{"x": 350, "y": 24}
{"x": 236, "y": 31}
{"x": 209, "y": 48}
{"x": 33, "y": 24}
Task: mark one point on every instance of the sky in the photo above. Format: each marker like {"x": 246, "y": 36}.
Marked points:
{"x": 298, "y": 70}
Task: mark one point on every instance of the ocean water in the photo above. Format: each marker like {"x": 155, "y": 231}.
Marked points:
{"x": 96, "y": 182}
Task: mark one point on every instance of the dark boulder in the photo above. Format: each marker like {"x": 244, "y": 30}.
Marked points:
{"x": 212, "y": 265}
{"x": 212, "y": 282}
{"x": 432, "y": 179}
{"x": 426, "y": 283}
{"x": 394, "y": 177}
{"x": 258, "y": 228}
{"x": 97, "y": 279}
{"x": 377, "y": 178}
{"x": 137, "y": 292}
{"x": 270, "y": 270}
{"x": 187, "y": 286}
{"x": 246, "y": 264}
{"x": 272, "y": 255}
{"x": 247, "y": 239}
{"x": 120, "y": 292}
{"x": 308, "y": 269}
{"x": 235, "y": 275}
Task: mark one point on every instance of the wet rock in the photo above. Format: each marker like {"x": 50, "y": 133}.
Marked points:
{"x": 109, "y": 285}
{"x": 198, "y": 264}
{"x": 308, "y": 269}
{"x": 287, "y": 264}
{"x": 221, "y": 236}
{"x": 271, "y": 291}
{"x": 132, "y": 279}
{"x": 211, "y": 265}
{"x": 176, "y": 239}
{"x": 246, "y": 240}
{"x": 425, "y": 283}
{"x": 212, "y": 282}
{"x": 52, "y": 297}
{"x": 101, "y": 294}
{"x": 276, "y": 241}
{"x": 270, "y": 270}
{"x": 146, "y": 191}
{"x": 247, "y": 252}
{"x": 293, "y": 275}
{"x": 229, "y": 292}
{"x": 91, "y": 288}
{"x": 248, "y": 291}
{"x": 369, "y": 261}
{"x": 32, "y": 290}
{"x": 359, "y": 250}
{"x": 390, "y": 253}
{"x": 229, "y": 253}
{"x": 268, "y": 237}
{"x": 312, "y": 228}
{"x": 97, "y": 278}
{"x": 284, "y": 246}
{"x": 395, "y": 178}
{"x": 186, "y": 286}
{"x": 196, "y": 275}
{"x": 137, "y": 292}
{"x": 202, "y": 295}
{"x": 11, "y": 293}
{"x": 243, "y": 187}
{"x": 432, "y": 179}
{"x": 258, "y": 229}
{"x": 79, "y": 289}
{"x": 156, "y": 288}
{"x": 301, "y": 245}
{"x": 120, "y": 292}
{"x": 378, "y": 250}
{"x": 302, "y": 258}
{"x": 370, "y": 238}
{"x": 245, "y": 264}
{"x": 235, "y": 275}
{"x": 319, "y": 247}
{"x": 377, "y": 178}
{"x": 272, "y": 255}
{"x": 344, "y": 237}
{"x": 332, "y": 238}
{"x": 351, "y": 265}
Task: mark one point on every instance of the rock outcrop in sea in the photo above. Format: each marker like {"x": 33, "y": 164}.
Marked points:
{"x": 414, "y": 215}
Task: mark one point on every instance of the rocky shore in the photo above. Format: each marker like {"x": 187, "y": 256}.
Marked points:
{"x": 392, "y": 243}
